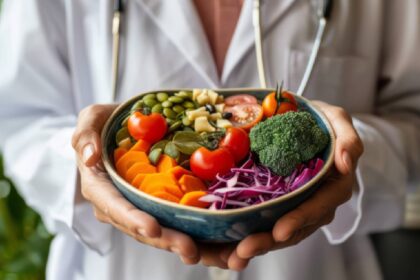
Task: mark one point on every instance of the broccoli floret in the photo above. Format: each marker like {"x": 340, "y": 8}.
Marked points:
{"x": 284, "y": 141}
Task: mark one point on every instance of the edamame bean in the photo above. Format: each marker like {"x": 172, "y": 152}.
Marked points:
{"x": 186, "y": 121}
{"x": 150, "y": 102}
{"x": 138, "y": 105}
{"x": 175, "y": 126}
{"x": 162, "y": 96}
{"x": 182, "y": 94}
{"x": 167, "y": 104}
{"x": 149, "y": 96}
{"x": 169, "y": 113}
{"x": 122, "y": 133}
{"x": 169, "y": 121}
{"x": 178, "y": 109}
{"x": 157, "y": 108}
{"x": 175, "y": 99}
{"x": 188, "y": 105}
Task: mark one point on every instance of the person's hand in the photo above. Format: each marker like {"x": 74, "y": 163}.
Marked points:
{"x": 109, "y": 205}
{"x": 320, "y": 208}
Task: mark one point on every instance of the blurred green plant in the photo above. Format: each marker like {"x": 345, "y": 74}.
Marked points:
{"x": 24, "y": 241}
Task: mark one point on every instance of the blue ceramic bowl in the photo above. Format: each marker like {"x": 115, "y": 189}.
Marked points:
{"x": 212, "y": 225}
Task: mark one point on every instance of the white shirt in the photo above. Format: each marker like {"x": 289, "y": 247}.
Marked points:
{"x": 55, "y": 59}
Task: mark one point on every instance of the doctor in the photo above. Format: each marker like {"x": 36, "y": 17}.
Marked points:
{"x": 56, "y": 60}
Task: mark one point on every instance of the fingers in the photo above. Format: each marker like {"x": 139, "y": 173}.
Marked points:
{"x": 254, "y": 245}
{"x": 86, "y": 138}
{"x": 215, "y": 254}
{"x": 314, "y": 211}
{"x": 349, "y": 147}
{"x": 237, "y": 263}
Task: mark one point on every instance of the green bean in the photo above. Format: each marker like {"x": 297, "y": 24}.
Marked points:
{"x": 176, "y": 99}
{"x": 157, "y": 108}
{"x": 162, "y": 96}
{"x": 150, "y": 102}
{"x": 178, "y": 109}
{"x": 167, "y": 104}
{"x": 169, "y": 113}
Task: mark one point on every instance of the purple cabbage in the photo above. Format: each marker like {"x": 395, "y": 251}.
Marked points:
{"x": 253, "y": 183}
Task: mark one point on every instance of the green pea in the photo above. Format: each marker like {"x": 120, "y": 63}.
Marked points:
{"x": 167, "y": 104}
{"x": 122, "y": 133}
{"x": 178, "y": 109}
{"x": 150, "y": 102}
{"x": 157, "y": 108}
{"x": 149, "y": 96}
{"x": 176, "y": 99}
{"x": 162, "y": 96}
{"x": 188, "y": 105}
{"x": 169, "y": 113}
{"x": 138, "y": 105}
{"x": 182, "y": 94}
{"x": 186, "y": 121}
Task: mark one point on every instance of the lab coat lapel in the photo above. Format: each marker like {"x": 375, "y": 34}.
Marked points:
{"x": 179, "y": 21}
{"x": 243, "y": 38}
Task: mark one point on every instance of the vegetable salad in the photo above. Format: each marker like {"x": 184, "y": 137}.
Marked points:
{"x": 200, "y": 149}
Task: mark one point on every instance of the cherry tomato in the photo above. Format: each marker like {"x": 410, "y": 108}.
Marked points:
{"x": 206, "y": 164}
{"x": 240, "y": 99}
{"x": 150, "y": 128}
{"x": 245, "y": 116}
{"x": 269, "y": 105}
{"x": 237, "y": 142}
{"x": 286, "y": 107}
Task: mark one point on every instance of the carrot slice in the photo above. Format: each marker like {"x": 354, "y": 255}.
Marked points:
{"x": 166, "y": 196}
{"x": 192, "y": 199}
{"x": 141, "y": 146}
{"x": 136, "y": 182}
{"x": 118, "y": 153}
{"x": 161, "y": 182}
{"x": 166, "y": 163}
{"x": 139, "y": 167}
{"x": 190, "y": 183}
{"x": 128, "y": 159}
{"x": 178, "y": 171}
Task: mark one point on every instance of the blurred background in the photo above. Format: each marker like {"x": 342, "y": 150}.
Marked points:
{"x": 24, "y": 241}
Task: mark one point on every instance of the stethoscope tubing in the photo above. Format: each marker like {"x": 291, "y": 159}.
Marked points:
{"x": 323, "y": 16}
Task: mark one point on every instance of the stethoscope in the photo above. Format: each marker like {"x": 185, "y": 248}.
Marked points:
{"x": 323, "y": 14}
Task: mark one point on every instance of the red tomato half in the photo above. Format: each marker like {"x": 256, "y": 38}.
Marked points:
{"x": 240, "y": 99}
{"x": 237, "y": 142}
{"x": 245, "y": 116}
{"x": 206, "y": 164}
{"x": 150, "y": 128}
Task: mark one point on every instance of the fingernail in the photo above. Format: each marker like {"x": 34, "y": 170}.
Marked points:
{"x": 142, "y": 232}
{"x": 347, "y": 161}
{"x": 87, "y": 152}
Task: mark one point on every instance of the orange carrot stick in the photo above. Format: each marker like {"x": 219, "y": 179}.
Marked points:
{"x": 178, "y": 171}
{"x": 190, "y": 183}
{"x": 118, "y": 153}
{"x": 128, "y": 159}
{"x": 139, "y": 167}
{"x": 192, "y": 199}
{"x": 141, "y": 146}
{"x": 166, "y": 163}
{"x": 166, "y": 196}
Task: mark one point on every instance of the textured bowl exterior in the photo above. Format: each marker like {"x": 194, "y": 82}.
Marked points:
{"x": 211, "y": 225}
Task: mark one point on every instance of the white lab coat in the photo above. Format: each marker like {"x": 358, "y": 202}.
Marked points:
{"x": 55, "y": 59}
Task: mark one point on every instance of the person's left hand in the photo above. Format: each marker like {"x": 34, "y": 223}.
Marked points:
{"x": 315, "y": 212}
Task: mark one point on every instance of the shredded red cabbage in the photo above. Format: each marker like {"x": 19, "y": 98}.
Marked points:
{"x": 253, "y": 183}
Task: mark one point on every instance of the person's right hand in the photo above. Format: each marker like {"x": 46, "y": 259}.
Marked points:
{"x": 109, "y": 205}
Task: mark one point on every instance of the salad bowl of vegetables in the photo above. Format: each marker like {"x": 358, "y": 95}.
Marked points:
{"x": 217, "y": 165}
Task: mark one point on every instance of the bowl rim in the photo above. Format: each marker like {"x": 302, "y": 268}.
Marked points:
{"x": 112, "y": 172}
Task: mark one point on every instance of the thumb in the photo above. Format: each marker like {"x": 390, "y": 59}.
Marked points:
{"x": 86, "y": 138}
